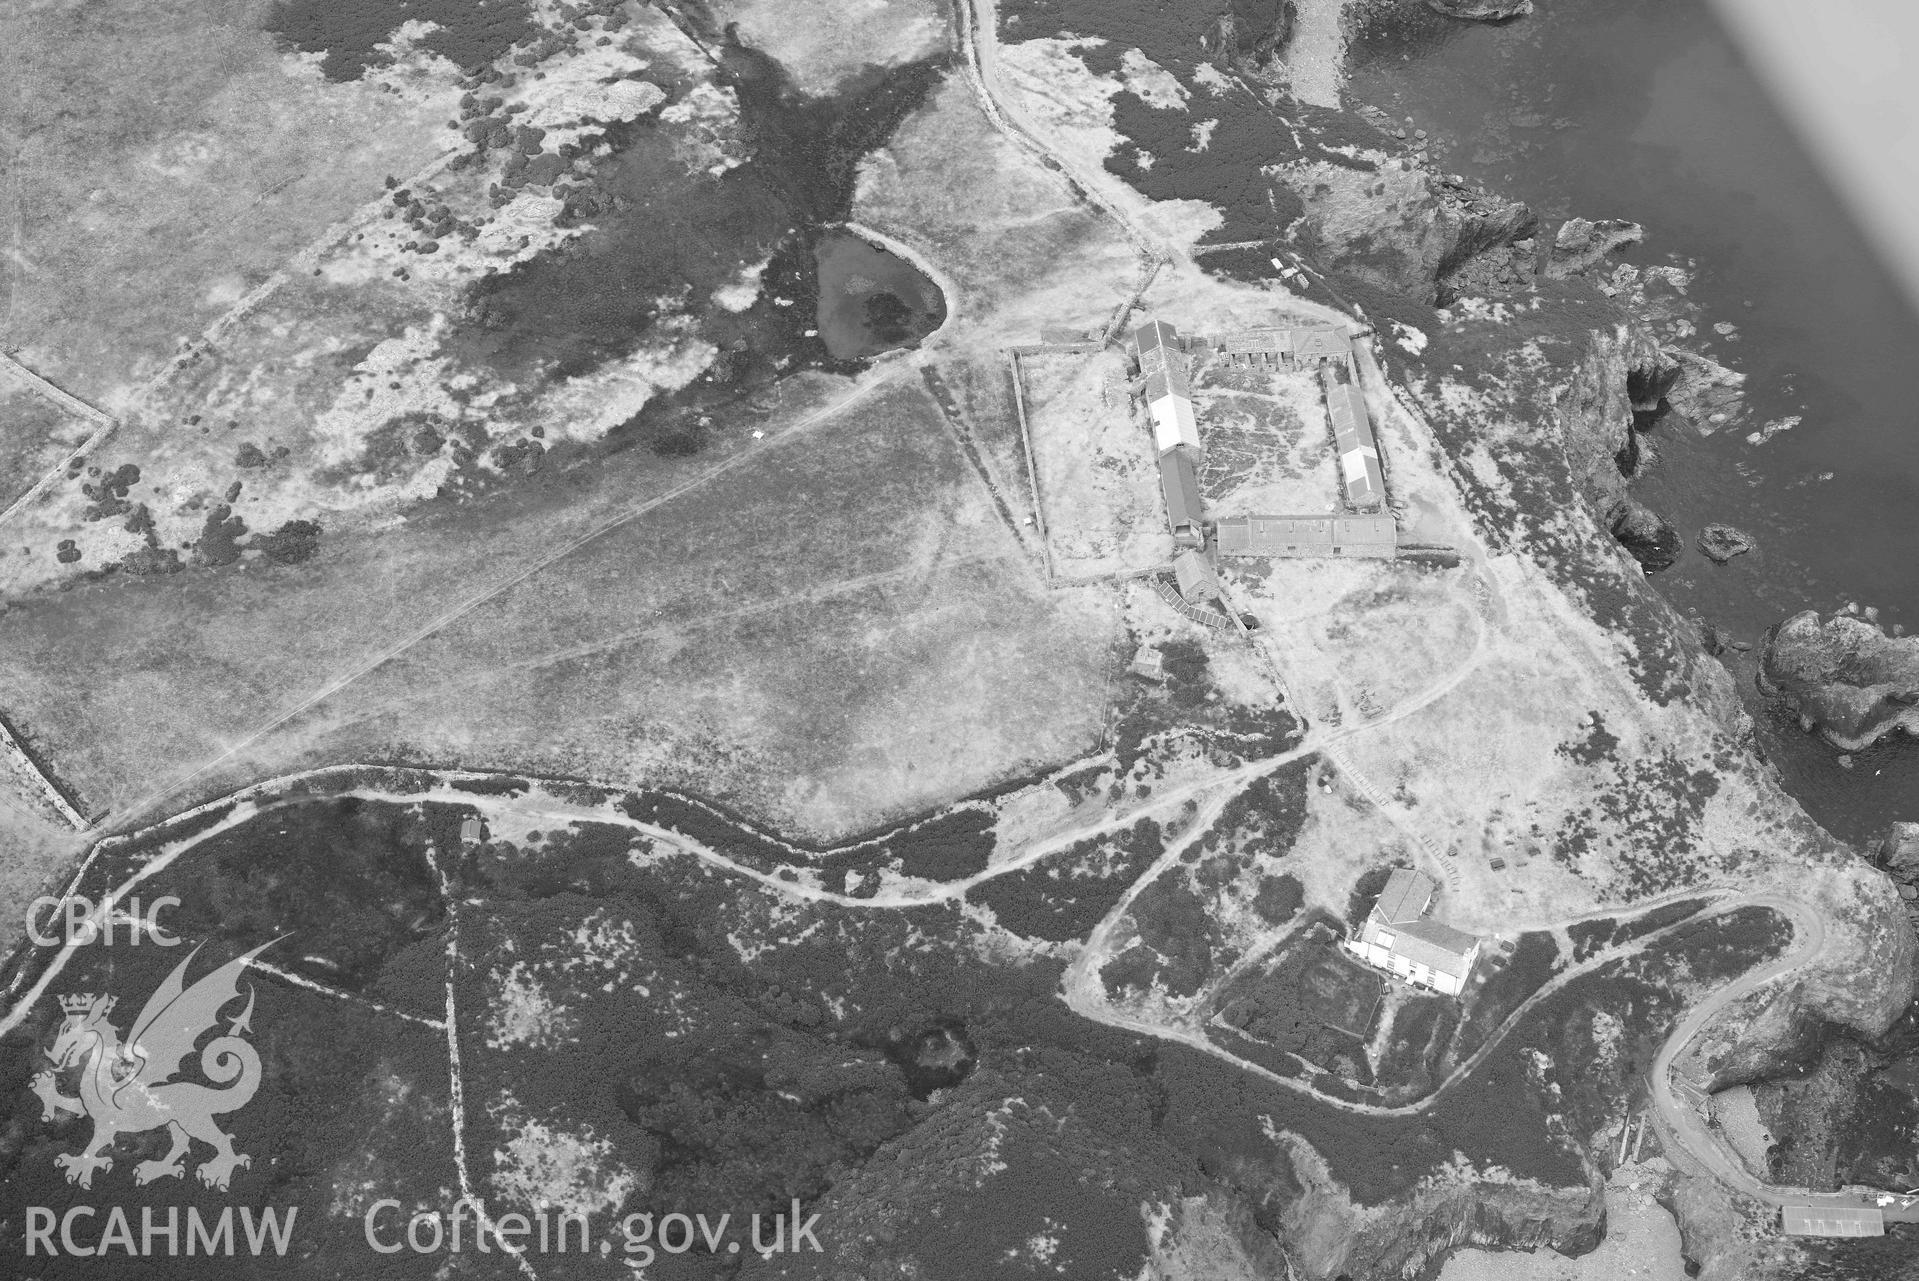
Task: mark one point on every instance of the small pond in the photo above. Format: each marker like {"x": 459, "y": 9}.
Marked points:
{"x": 871, "y": 300}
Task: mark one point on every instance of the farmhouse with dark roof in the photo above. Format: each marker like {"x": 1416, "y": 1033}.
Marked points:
{"x": 1401, "y": 939}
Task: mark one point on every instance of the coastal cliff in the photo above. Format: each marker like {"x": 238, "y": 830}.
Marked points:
{"x": 1621, "y": 374}
{"x": 1332, "y": 1236}
{"x": 1402, "y": 229}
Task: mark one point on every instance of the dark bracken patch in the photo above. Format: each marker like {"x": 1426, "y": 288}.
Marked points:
{"x": 471, "y": 33}
{"x": 290, "y": 544}
{"x": 219, "y": 537}
{"x": 1065, "y": 896}
{"x": 949, "y": 848}
{"x": 662, "y": 232}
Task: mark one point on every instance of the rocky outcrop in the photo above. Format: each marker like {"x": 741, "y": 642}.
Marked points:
{"x": 1401, "y": 229}
{"x": 1494, "y": 252}
{"x": 1595, "y": 410}
{"x": 1645, "y": 533}
{"x": 1481, "y": 10}
{"x": 1250, "y": 33}
{"x": 1721, "y": 543}
{"x": 1898, "y": 852}
{"x": 1728, "y": 1240}
{"x": 1706, "y": 392}
{"x": 1330, "y": 1236}
{"x": 1844, "y": 676}
{"x": 1770, "y": 1031}
{"x": 1582, "y": 244}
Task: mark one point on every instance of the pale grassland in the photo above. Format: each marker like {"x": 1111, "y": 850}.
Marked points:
{"x": 824, "y": 43}
{"x": 837, "y": 631}
{"x": 1098, "y": 480}
{"x": 34, "y": 436}
{"x": 355, "y": 333}
{"x": 166, "y": 163}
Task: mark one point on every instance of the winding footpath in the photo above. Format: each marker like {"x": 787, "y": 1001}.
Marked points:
{"x": 1082, "y": 988}
{"x": 1676, "y": 1110}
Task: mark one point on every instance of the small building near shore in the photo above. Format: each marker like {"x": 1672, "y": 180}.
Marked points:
{"x": 1831, "y": 1221}
{"x": 1399, "y": 937}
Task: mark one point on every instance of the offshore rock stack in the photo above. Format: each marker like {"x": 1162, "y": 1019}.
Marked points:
{"x": 1845, "y": 677}
{"x": 1898, "y": 852}
{"x": 1481, "y": 10}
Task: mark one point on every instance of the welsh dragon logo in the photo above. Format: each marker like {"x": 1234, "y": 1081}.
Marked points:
{"x": 126, "y": 1088}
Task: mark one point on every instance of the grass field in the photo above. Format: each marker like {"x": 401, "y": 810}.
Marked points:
{"x": 367, "y": 369}
{"x": 837, "y": 630}
{"x": 34, "y": 436}
{"x": 1268, "y": 447}
{"x": 824, "y": 43}
{"x": 1024, "y": 249}
{"x": 834, "y": 629}
{"x": 1098, "y": 482}
{"x": 165, "y": 158}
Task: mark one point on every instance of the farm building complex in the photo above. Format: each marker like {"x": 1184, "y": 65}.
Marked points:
{"x": 1401, "y": 939}
{"x": 1355, "y": 523}
{"x": 1165, "y": 386}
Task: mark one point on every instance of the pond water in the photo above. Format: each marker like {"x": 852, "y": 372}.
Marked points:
{"x": 1645, "y": 109}
{"x": 872, "y": 300}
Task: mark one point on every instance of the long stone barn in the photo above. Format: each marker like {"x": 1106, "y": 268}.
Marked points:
{"x": 1279, "y": 536}
{"x": 1168, "y": 393}
{"x": 1274, "y": 347}
{"x": 1360, "y": 474}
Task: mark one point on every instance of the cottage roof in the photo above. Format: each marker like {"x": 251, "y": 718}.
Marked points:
{"x": 1256, "y": 340}
{"x": 1406, "y": 897}
{"x": 1347, "y": 409}
{"x": 1440, "y": 947}
{"x": 1180, "y": 481}
{"x": 1197, "y": 581}
{"x": 1155, "y": 333}
{"x": 1169, "y": 379}
{"x": 1321, "y": 341}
